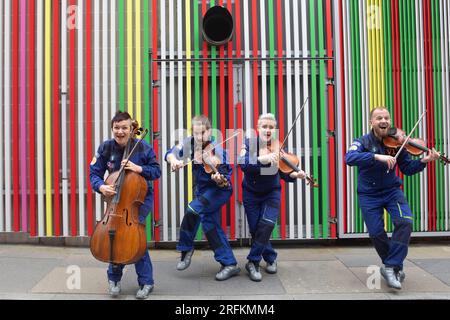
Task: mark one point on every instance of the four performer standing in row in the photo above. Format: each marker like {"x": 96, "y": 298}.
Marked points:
{"x": 258, "y": 159}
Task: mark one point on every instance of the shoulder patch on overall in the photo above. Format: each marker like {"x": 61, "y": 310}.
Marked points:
{"x": 243, "y": 151}
{"x": 353, "y": 147}
{"x": 94, "y": 160}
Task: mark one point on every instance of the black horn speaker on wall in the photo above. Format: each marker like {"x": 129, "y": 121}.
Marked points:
{"x": 217, "y": 28}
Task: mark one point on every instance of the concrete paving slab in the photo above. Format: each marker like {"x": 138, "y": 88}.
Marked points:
{"x": 444, "y": 277}
{"x": 417, "y": 280}
{"x": 352, "y": 260}
{"x": 429, "y": 252}
{"x": 305, "y": 254}
{"x": 318, "y": 277}
{"x": 433, "y": 265}
{"x": 59, "y": 280}
{"x": 20, "y": 274}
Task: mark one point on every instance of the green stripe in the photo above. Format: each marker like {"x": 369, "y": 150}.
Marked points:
{"x": 197, "y": 42}
{"x": 314, "y": 111}
{"x": 324, "y": 124}
{"x": 122, "y": 85}
{"x": 146, "y": 104}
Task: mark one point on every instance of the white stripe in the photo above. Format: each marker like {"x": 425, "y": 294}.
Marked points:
{"x": 339, "y": 129}
{"x": 172, "y": 119}
{"x": 81, "y": 128}
{"x": 2, "y": 211}
{"x": 180, "y": 105}
{"x": 424, "y": 213}
{"x": 164, "y": 181}
{"x": 419, "y": 96}
{"x": 290, "y": 109}
{"x": 40, "y": 113}
{"x": 248, "y": 92}
{"x": 298, "y": 126}
{"x": 262, "y": 30}
{"x": 7, "y": 84}
{"x": 309, "y": 208}
{"x": 105, "y": 49}
{"x": 349, "y": 122}
{"x": 113, "y": 60}
{"x": 97, "y": 93}
{"x": 64, "y": 173}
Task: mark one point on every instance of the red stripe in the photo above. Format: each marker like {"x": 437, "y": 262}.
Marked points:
{"x": 15, "y": 112}
{"x": 239, "y": 143}
{"x": 430, "y": 112}
{"x": 230, "y": 126}
{"x": 222, "y": 113}
{"x": 255, "y": 64}
{"x": 55, "y": 115}
{"x": 155, "y": 115}
{"x": 32, "y": 104}
{"x": 72, "y": 99}
{"x": 343, "y": 123}
{"x": 331, "y": 126}
{"x": 205, "y": 69}
{"x": 281, "y": 111}
{"x": 239, "y": 104}
{"x": 89, "y": 152}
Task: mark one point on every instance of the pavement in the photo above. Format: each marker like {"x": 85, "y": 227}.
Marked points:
{"x": 36, "y": 272}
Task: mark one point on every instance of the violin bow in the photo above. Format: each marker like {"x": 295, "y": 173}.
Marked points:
{"x": 293, "y": 124}
{"x": 409, "y": 136}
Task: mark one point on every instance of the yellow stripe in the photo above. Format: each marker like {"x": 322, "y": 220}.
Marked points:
{"x": 370, "y": 45}
{"x": 48, "y": 121}
{"x": 130, "y": 56}
{"x": 188, "y": 87}
{"x": 382, "y": 65}
{"x": 138, "y": 60}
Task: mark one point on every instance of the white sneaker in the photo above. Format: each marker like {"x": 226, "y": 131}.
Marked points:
{"x": 114, "y": 288}
{"x": 144, "y": 291}
{"x": 271, "y": 267}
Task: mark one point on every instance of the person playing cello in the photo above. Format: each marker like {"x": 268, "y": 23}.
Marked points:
{"x": 379, "y": 188}
{"x": 261, "y": 187}
{"x": 143, "y": 161}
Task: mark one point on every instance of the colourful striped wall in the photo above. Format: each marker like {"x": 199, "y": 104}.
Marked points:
{"x": 67, "y": 66}
{"x": 397, "y": 57}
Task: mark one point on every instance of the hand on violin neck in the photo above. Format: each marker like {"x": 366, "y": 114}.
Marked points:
{"x": 219, "y": 179}
{"x": 298, "y": 175}
{"x": 388, "y": 160}
{"x": 432, "y": 155}
{"x": 176, "y": 164}
{"x": 107, "y": 190}
{"x": 271, "y": 158}
{"x": 131, "y": 166}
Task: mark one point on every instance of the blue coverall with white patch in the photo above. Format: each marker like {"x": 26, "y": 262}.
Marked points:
{"x": 261, "y": 196}
{"x": 109, "y": 157}
{"x": 379, "y": 189}
{"x": 205, "y": 207}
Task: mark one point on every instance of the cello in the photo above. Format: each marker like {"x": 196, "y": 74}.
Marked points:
{"x": 119, "y": 238}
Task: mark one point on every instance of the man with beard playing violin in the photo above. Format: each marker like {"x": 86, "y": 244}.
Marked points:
{"x": 261, "y": 193}
{"x": 379, "y": 188}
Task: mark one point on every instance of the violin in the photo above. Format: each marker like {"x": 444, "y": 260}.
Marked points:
{"x": 288, "y": 162}
{"x": 211, "y": 162}
{"x": 415, "y": 146}
{"x": 120, "y": 238}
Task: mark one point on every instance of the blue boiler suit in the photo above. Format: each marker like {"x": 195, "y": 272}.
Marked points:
{"x": 261, "y": 196}
{"x": 108, "y": 157}
{"x": 378, "y": 190}
{"x": 205, "y": 207}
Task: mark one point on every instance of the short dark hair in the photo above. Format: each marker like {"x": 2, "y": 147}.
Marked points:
{"x": 120, "y": 116}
